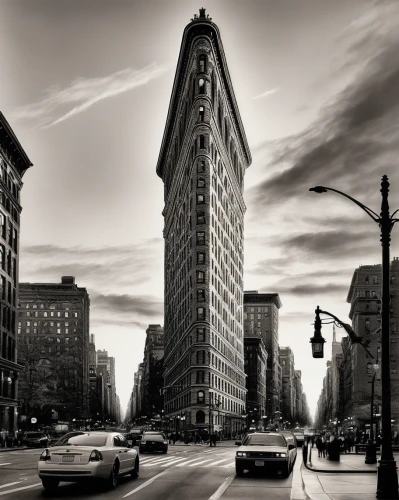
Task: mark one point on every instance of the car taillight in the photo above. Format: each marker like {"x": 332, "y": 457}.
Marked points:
{"x": 45, "y": 455}
{"x": 95, "y": 456}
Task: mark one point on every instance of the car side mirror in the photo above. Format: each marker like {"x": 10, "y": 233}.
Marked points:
{"x": 291, "y": 447}
{"x": 238, "y": 443}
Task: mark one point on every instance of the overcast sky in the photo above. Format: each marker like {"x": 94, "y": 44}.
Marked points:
{"x": 86, "y": 86}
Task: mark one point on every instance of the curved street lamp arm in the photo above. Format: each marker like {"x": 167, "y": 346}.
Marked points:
{"x": 369, "y": 212}
{"x": 355, "y": 339}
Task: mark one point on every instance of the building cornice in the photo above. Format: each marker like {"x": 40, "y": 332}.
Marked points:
{"x": 18, "y": 156}
{"x": 202, "y": 27}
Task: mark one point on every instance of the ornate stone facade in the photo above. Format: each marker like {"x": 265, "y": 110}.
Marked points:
{"x": 202, "y": 161}
{"x": 13, "y": 164}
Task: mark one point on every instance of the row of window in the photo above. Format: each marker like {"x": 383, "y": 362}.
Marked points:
{"x": 51, "y": 314}
{"x": 8, "y": 232}
{"x": 8, "y": 180}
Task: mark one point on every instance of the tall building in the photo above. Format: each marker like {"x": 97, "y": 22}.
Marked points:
{"x": 286, "y": 361}
{"x": 106, "y": 367}
{"x": 255, "y": 361}
{"x": 261, "y": 319}
{"x": 153, "y": 403}
{"x": 13, "y": 164}
{"x": 202, "y": 161}
{"x": 53, "y": 346}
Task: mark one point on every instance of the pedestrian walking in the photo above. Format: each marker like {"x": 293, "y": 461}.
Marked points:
{"x": 319, "y": 446}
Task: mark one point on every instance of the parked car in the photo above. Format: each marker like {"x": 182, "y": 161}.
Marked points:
{"x": 152, "y": 441}
{"x": 35, "y": 439}
{"x": 266, "y": 451}
{"x": 89, "y": 455}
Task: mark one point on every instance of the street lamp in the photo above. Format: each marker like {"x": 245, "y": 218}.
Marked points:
{"x": 387, "y": 478}
{"x": 371, "y": 450}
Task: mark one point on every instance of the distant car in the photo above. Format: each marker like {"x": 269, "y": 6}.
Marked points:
{"x": 148, "y": 433}
{"x": 300, "y": 436}
{"x": 266, "y": 451}
{"x": 89, "y": 455}
{"x": 35, "y": 439}
{"x": 132, "y": 438}
{"x": 152, "y": 441}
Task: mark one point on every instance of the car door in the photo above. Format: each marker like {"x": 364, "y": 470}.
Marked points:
{"x": 125, "y": 458}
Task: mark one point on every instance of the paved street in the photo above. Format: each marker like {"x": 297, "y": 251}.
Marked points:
{"x": 189, "y": 473}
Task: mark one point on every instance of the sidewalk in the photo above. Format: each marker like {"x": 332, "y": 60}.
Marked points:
{"x": 14, "y": 448}
{"x": 348, "y": 479}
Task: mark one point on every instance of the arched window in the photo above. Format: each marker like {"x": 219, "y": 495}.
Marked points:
{"x": 200, "y": 417}
{"x": 200, "y": 380}
{"x": 201, "y": 86}
{"x": 201, "y": 396}
{"x": 202, "y": 63}
{"x": 201, "y": 182}
{"x": 202, "y": 142}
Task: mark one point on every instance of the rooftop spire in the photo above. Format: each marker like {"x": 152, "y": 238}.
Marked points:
{"x": 201, "y": 15}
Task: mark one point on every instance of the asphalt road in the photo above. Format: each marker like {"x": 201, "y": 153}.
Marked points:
{"x": 185, "y": 473}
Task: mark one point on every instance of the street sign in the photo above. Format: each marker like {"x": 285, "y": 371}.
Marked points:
{"x": 33, "y": 420}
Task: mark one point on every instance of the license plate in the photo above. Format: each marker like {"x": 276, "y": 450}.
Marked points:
{"x": 68, "y": 458}
{"x": 259, "y": 463}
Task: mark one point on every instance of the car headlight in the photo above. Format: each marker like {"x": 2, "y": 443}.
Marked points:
{"x": 165, "y": 442}
{"x": 280, "y": 455}
{"x": 241, "y": 454}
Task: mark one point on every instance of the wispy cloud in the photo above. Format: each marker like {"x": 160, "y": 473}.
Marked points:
{"x": 267, "y": 93}
{"x": 83, "y": 93}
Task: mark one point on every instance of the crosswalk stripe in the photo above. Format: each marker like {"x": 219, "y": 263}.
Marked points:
{"x": 165, "y": 462}
{"x": 188, "y": 462}
{"x": 19, "y": 489}
{"x": 6, "y": 463}
{"x": 199, "y": 463}
{"x": 172, "y": 463}
{"x": 216, "y": 463}
{"x": 231, "y": 464}
{"x": 10, "y": 484}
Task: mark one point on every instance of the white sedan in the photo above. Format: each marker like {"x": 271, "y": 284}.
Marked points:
{"x": 99, "y": 455}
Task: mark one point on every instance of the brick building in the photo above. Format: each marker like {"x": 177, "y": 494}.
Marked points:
{"x": 202, "y": 161}
{"x": 13, "y": 165}
{"x": 261, "y": 319}
{"x": 353, "y": 367}
{"x": 287, "y": 363}
{"x": 53, "y": 346}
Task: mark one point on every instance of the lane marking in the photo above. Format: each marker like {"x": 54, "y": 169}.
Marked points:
{"x": 216, "y": 463}
{"x": 10, "y": 484}
{"x": 199, "y": 463}
{"x": 222, "y": 488}
{"x": 146, "y": 483}
{"x": 20, "y": 489}
{"x": 231, "y": 464}
{"x": 6, "y": 463}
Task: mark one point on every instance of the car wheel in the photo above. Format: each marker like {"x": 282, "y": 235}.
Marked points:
{"x": 112, "y": 481}
{"x": 239, "y": 470}
{"x": 135, "y": 471}
{"x": 50, "y": 484}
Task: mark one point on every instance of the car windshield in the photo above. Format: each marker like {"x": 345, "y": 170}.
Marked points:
{"x": 34, "y": 434}
{"x": 264, "y": 440}
{"x": 153, "y": 437}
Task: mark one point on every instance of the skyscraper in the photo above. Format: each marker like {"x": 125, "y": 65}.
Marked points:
{"x": 13, "y": 164}
{"x": 202, "y": 161}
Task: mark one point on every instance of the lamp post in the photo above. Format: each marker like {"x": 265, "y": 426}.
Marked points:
{"x": 387, "y": 477}
{"x": 371, "y": 455}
